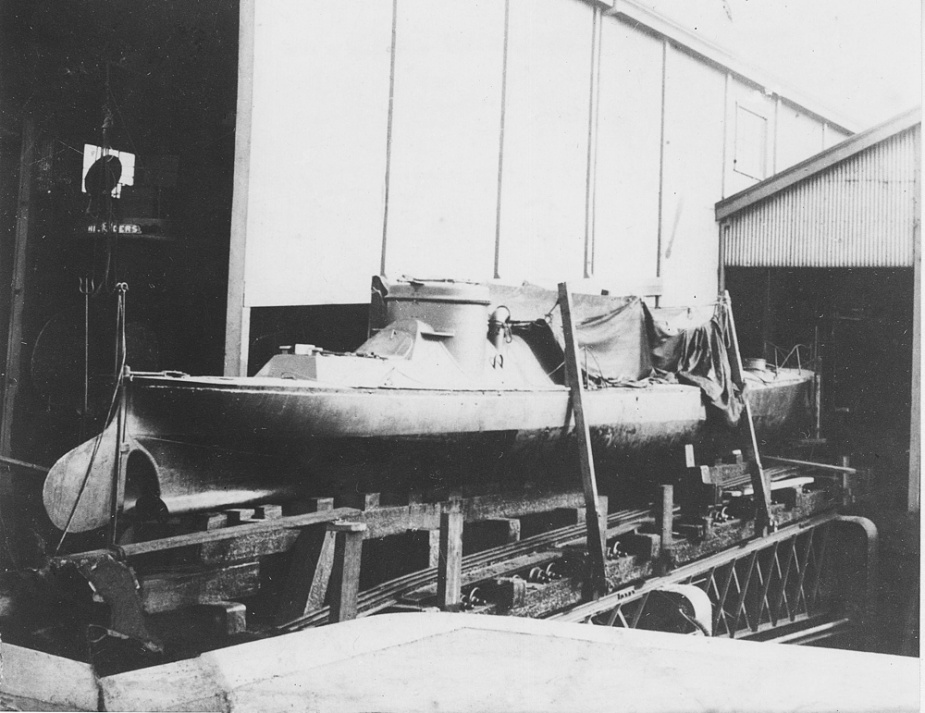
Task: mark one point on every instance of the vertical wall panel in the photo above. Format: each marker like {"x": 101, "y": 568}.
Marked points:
{"x": 626, "y": 205}
{"x": 320, "y": 103}
{"x": 445, "y": 138}
{"x": 542, "y": 229}
{"x": 692, "y": 180}
{"x": 800, "y": 137}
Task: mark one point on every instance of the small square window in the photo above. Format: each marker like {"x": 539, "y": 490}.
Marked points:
{"x": 751, "y": 144}
{"x": 126, "y": 177}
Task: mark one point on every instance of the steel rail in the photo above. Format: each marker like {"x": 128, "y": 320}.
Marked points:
{"x": 389, "y": 593}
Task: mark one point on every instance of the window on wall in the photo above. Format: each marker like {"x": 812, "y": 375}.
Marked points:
{"x": 751, "y": 143}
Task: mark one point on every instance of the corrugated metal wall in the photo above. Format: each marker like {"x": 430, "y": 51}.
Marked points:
{"x": 857, "y": 213}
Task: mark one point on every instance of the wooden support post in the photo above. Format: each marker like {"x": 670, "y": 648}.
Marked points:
{"x": 664, "y": 505}
{"x": 597, "y": 559}
{"x": 345, "y": 576}
{"x": 309, "y": 574}
{"x": 762, "y": 490}
{"x": 433, "y": 548}
{"x": 449, "y": 570}
{"x": 17, "y": 292}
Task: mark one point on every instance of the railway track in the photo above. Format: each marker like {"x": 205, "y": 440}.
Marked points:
{"x": 393, "y": 591}
{"x": 474, "y": 566}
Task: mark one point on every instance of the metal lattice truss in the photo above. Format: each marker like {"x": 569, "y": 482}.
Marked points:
{"x": 793, "y": 576}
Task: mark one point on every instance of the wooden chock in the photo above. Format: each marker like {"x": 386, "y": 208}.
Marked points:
{"x": 345, "y": 574}
{"x": 449, "y": 568}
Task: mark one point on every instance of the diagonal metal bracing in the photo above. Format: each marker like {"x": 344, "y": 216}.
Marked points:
{"x": 774, "y": 581}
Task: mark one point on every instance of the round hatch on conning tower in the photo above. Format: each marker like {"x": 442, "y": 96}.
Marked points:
{"x": 458, "y": 309}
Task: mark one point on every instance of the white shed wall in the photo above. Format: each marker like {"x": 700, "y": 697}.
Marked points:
{"x": 627, "y": 182}
{"x": 488, "y": 141}
{"x": 443, "y": 178}
{"x": 544, "y": 180}
{"x": 315, "y": 192}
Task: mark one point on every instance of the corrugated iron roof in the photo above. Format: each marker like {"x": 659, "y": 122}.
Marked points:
{"x": 814, "y": 165}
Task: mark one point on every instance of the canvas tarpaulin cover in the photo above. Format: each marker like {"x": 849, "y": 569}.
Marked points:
{"x": 624, "y": 341}
{"x": 621, "y": 340}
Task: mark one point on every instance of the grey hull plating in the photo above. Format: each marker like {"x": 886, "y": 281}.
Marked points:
{"x": 208, "y": 442}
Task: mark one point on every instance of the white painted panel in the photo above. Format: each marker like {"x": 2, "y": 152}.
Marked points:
{"x": 693, "y": 178}
{"x": 317, "y": 164}
{"x": 629, "y": 136}
{"x": 834, "y": 136}
{"x": 799, "y": 137}
{"x": 443, "y": 181}
{"x": 546, "y": 140}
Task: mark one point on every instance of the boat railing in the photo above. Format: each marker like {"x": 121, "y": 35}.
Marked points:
{"x": 802, "y": 354}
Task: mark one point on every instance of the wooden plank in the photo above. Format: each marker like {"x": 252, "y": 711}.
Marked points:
{"x": 345, "y": 576}
{"x": 17, "y": 294}
{"x": 227, "y": 533}
{"x": 309, "y": 574}
{"x": 762, "y": 491}
{"x": 166, "y": 591}
{"x": 248, "y": 547}
{"x": 33, "y": 681}
{"x": 449, "y": 569}
{"x": 586, "y": 458}
{"x": 393, "y": 520}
